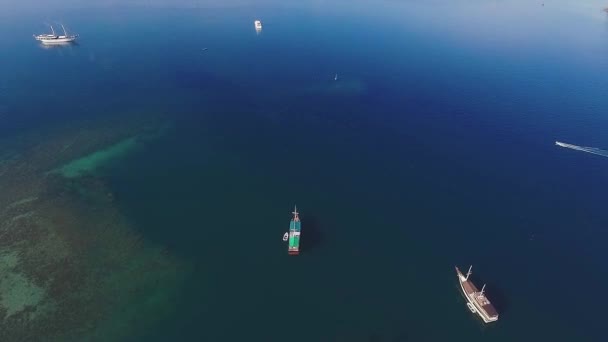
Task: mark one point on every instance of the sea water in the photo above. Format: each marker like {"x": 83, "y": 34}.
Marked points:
{"x": 434, "y": 148}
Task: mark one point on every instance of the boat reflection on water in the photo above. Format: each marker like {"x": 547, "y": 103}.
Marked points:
{"x": 59, "y": 46}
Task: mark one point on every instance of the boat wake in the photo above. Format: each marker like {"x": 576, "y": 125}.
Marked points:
{"x": 592, "y": 150}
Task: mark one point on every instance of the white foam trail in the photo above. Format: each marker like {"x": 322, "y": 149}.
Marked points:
{"x": 593, "y": 150}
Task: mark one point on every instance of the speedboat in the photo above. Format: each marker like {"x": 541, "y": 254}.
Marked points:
{"x": 286, "y": 236}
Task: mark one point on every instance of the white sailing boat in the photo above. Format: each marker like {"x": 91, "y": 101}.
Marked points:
{"x": 53, "y": 38}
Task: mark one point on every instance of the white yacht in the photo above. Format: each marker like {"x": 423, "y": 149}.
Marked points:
{"x": 258, "y": 25}
{"x": 53, "y": 38}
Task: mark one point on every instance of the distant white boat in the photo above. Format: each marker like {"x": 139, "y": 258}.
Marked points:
{"x": 285, "y": 236}
{"x": 53, "y": 38}
{"x": 258, "y": 25}
{"x": 336, "y": 77}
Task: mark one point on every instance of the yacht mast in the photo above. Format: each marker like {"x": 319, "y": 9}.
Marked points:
{"x": 295, "y": 212}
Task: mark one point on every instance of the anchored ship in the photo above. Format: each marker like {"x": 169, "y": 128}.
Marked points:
{"x": 294, "y": 234}
{"x": 477, "y": 301}
{"x": 56, "y": 39}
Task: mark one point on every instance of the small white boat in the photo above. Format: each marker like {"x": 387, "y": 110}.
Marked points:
{"x": 286, "y": 236}
{"x": 471, "y": 307}
{"x": 56, "y": 39}
{"x": 258, "y": 25}
{"x": 336, "y": 77}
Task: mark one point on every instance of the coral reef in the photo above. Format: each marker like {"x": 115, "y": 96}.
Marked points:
{"x": 71, "y": 268}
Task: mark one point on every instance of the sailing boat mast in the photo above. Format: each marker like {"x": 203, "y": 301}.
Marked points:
{"x": 469, "y": 272}
{"x": 295, "y": 212}
{"x": 53, "y": 30}
{"x": 64, "y": 32}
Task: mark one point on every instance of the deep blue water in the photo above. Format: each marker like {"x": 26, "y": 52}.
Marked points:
{"x": 434, "y": 148}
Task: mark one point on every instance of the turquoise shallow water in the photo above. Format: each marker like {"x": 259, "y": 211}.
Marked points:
{"x": 434, "y": 148}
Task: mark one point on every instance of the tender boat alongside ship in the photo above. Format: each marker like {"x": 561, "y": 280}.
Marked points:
{"x": 53, "y": 38}
{"x": 477, "y": 301}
